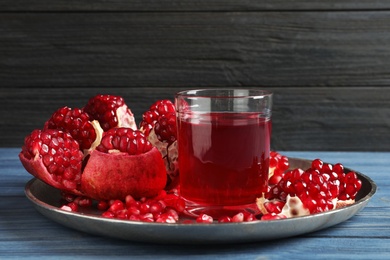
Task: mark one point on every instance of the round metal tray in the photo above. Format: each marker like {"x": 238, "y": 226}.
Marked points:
{"x": 46, "y": 200}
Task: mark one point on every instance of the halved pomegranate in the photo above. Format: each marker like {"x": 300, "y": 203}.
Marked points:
{"x": 54, "y": 157}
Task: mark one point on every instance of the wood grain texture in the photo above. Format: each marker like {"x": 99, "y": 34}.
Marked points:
{"x": 26, "y": 233}
{"x": 195, "y": 49}
{"x": 326, "y": 60}
{"x": 190, "y": 5}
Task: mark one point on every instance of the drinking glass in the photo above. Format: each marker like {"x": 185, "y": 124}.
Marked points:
{"x": 224, "y": 146}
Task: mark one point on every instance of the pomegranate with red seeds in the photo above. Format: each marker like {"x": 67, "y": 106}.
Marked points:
{"x": 158, "y": 109}
{"x": 124, "y": 163}
{"x": 54, "y": 157}
{"x": 111, "y": 111}
{"x": 159, "y": 125}
{"x": 79, "y": 124}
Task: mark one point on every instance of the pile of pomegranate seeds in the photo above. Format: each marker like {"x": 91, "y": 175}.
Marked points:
{"x": 163, "y": 208}
{"x": 292, "y": 193}
{"x": 299, "y": 192}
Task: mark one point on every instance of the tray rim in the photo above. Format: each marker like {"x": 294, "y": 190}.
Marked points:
{"x": 66, "y": 218}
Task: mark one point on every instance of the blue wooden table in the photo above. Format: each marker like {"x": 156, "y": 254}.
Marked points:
{"x": 26, "y": 233}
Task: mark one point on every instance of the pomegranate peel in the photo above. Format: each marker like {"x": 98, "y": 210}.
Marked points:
{"x": 108, "y": 176}
{"x": 36, "y": 168}
{"x": 171, "y": 158}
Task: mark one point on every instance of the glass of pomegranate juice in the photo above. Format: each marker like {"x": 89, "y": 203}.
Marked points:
{"x": 224, "y": 146}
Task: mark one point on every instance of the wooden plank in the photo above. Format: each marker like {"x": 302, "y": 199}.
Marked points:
{"x": 195, "y": 49}
{"x": 304, "y": 118}
{"x": 26, "y": 233}
{"x": 191, "y": 5}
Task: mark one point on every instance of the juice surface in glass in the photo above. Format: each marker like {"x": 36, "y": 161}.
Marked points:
{"x": 224, "y": 157}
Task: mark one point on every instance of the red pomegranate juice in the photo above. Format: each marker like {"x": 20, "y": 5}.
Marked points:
{"x": 224, "y": 158}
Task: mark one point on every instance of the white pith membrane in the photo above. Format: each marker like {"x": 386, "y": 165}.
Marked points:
{"x": 99, "y": 134}
{"x": 294, "y": 208}
{"x": 169, "y": 154}
{"x": 125, "y": 117}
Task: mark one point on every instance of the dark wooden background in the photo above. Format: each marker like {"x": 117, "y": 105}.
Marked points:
{"x": 327, "y": 61}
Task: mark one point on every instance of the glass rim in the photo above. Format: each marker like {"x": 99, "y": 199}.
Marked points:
{"x": 252, "y": 93}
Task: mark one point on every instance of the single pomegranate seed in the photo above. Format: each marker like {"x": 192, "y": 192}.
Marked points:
{"x": 134, "y": 218}
{"x": 204, "y": 218}
{"x": 249, "y": 217}
{"x": 126, "y": 140}
{"x": 74, "y": 206}
{"x": 129, "y": 200}
{"x": 71, "y": 206}
{"x": 116, "y": 206}
{"x": 224, "y": 219}
{"x": 148, "y": 217}
{"x": 157, "y": 207}
{"x": 272, "y": 216}
{"x": 327, "y": 168}
{"x": 166, "y": 218}
{"x": 274, "y": 206}
{"x": 144, "y": 208}
{"x": 173, "y": 213}
{"x": 317, "y": 164}
{"x": 338, "y": 168}
{"x": 102, "y": 205}
{"x": 108, "y": 214}
{"x": 239, "y": 217}
{"x": 134, "y": 210}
